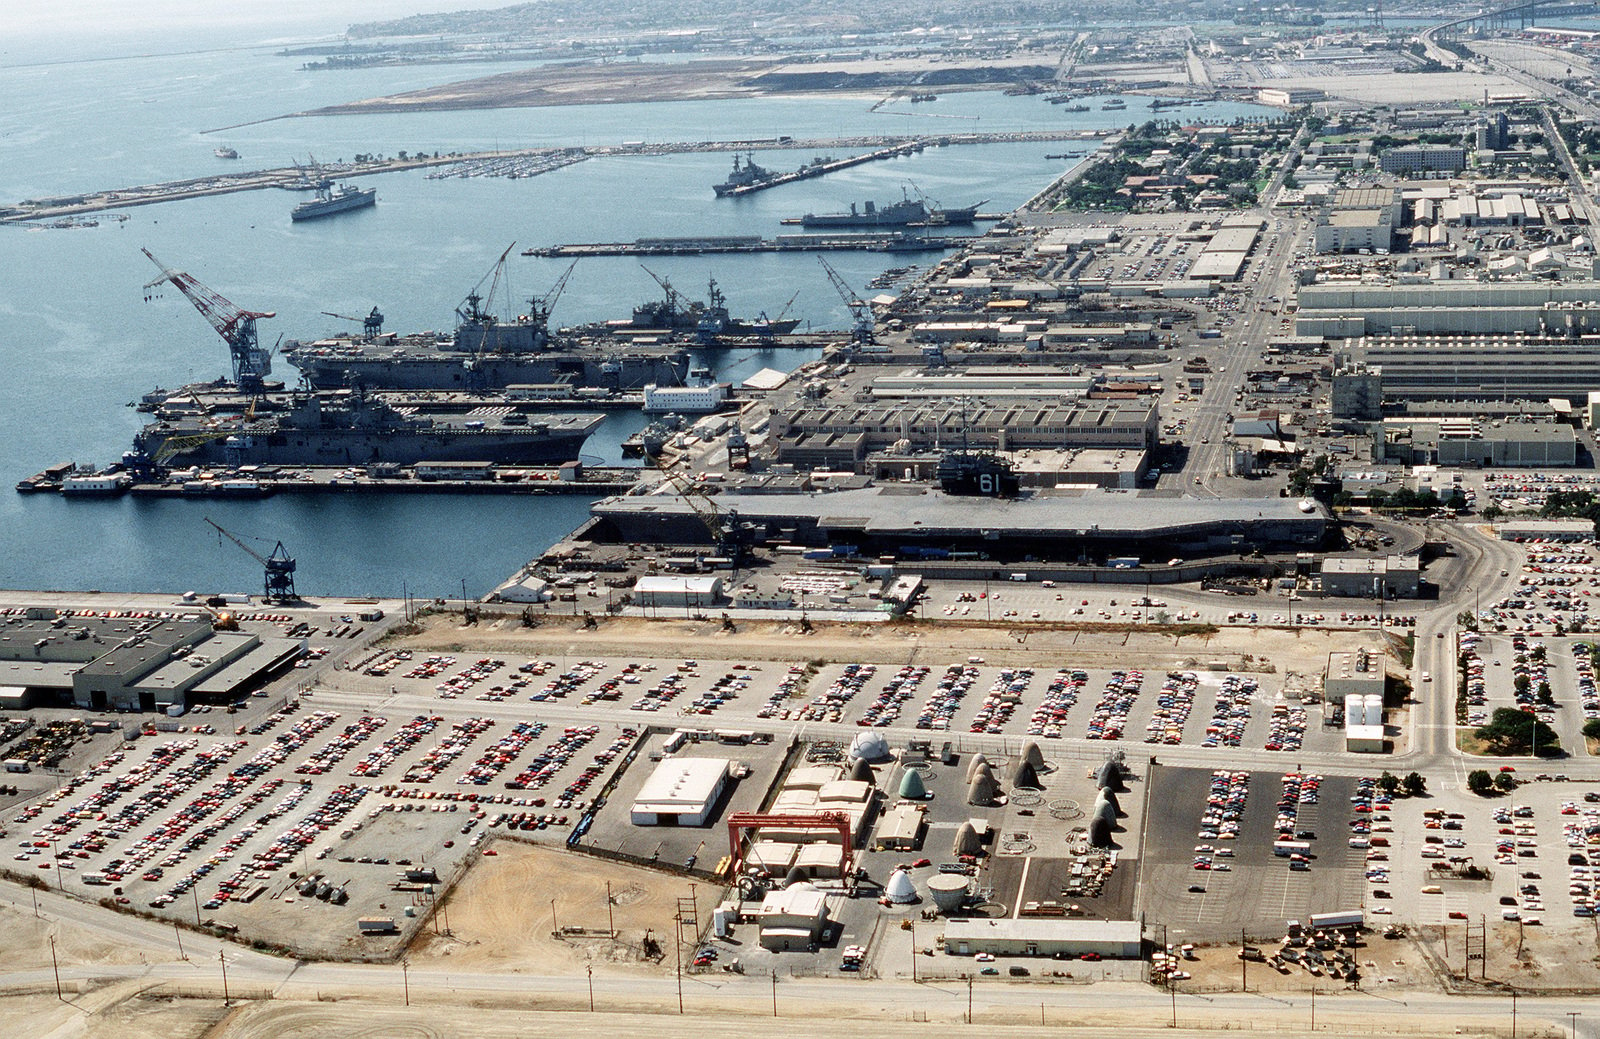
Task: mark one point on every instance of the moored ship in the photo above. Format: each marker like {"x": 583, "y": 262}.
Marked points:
{"x": 906, "y": 212}
{"x": 348, "y": 427}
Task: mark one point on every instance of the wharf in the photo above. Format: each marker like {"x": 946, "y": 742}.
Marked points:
{"x": 692, "y": 246}
{"x": 818, "y": 169}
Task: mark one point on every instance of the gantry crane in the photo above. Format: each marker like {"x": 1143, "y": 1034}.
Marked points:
{"x": 371, "y": 325}
{"x": 233, "y": 323}
{"x": 279, "y": 566}
{"x": 861, "y": 334}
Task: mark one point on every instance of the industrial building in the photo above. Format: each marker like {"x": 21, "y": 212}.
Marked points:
{"x": 794, "y": 919}
{"x": 1473, "y": 442}
{"x": 132, "y": 664}
{"x": 988, "y": 382}
{"x": 840, "y": 436}
{"x": 1112, "y": 939}
{"x": 1357, "y": 392}
{"x": 1439, "y": 307}
{"x": 1048, "y": 525}
{"x": 681, "y": 792}
{"x": 901, "y": 828}
{"x": 1358, "y": 218}
{"x": 1357, "y": 681}
{"x": 1459, "y": 367}
{"x": 1397, "y": 577}
{"x": 677, "y": 591}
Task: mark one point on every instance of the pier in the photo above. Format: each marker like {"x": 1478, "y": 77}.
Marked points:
{"x": 694, "y": 246}
{"x": 523, "y": 162}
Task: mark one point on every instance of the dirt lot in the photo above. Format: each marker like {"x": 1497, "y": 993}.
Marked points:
{"x": 500, "y": 916}
{"x": 927, "y": 642}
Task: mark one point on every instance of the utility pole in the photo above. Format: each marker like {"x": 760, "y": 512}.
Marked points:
{"x": 222, "y": 958}
{"x": 1244, "y": 985}
{"x": 611, "y": 919}
{"x": 1513, "y": 1014}
{"x": 405, "y": 979}
{"x": 1172, "y": 991}
{"x": 56, "y": 967}
{"x": 774, "y": 991}
{"x": 591, "y": 990}
{"x": 969, "y": 999}
{"x": 1573, "y": 1015}
{"x": 913, "y": 952}
{"x": 179, "y": 932}
{"x": 554, "y": 930}
{"x": 677, "y": 946}
{"x": 1313, "y": 1008}
{"x": 195, "y": 891}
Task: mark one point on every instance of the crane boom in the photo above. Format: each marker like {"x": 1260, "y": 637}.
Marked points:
{"x": 278, "y": 566}
{"x": 862, "y": 332}
{"x": 233, "y": 323}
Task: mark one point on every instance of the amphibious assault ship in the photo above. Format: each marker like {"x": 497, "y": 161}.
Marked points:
{"x": 331, "y": 200}
{"x": 352, "y": 427}
{"x": 483, "y": 353}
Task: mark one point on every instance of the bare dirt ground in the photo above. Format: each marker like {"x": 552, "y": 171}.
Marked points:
{"x": 25, "y": 943}
{"x": 1387, "y": 966}
{"x": 500, "y": 916}
{"x": 1303, "y": 650}
{"x": 589, "y": 84}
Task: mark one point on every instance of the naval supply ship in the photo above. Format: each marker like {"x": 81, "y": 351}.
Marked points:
{"x": 352, "y": 427}
{"x": 331, "y": 200}
{"x": 484, "y": 353}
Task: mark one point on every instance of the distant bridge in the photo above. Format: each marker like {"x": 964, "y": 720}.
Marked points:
{"x": 1520, "y": 16}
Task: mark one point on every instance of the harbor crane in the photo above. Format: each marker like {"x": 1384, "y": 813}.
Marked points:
{"x": 279, "y": 566}
{"x": 539, "y": 307}
{"x": 371, "y": 325}
{"x": 236, "y": 326}
{"x": 861, "y": 334}
{"x": 729, "y": 535}
{"x": 674, "y": 297}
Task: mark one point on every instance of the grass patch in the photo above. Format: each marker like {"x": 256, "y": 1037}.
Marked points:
{"x": 1467, "y": 743}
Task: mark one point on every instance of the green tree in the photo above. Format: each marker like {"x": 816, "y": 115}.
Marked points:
{"x": 1389, "y": 783}
{"x": 1591, "y": 728}
{"x": 1492, "y": 512}
{"x": 1511, "y": 731}
{"x": 1505, "y": 782}
{"x": 1480, "y": 782}
{"x": 1415, "y": 785}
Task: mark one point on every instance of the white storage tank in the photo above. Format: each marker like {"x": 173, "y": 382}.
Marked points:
{"x": 948, "y": 891}
{"x": 1374, "y": 709}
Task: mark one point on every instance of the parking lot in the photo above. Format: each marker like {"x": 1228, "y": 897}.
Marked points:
{"x": 227, "y": 826}
{"x": 1554, "y": 678}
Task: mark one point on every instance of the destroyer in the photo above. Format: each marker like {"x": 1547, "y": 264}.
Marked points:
{"x": 483, "y": 353}
{"x": 351, "y": 427}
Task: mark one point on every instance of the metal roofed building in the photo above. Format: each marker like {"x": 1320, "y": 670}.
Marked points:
{"x": 1399, "y": 577}
{"x": 1033, "y": 936}
{"x": 1051, "y": 525}
{"x": 680, "y": 792}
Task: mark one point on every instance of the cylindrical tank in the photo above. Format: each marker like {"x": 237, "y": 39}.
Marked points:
{"x": 948, "y": 891}
{"x": 1374, "y": 709}
{"x": 1354, "y": 709}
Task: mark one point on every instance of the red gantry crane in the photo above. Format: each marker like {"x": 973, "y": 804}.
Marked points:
{"x": 233, "y": 323}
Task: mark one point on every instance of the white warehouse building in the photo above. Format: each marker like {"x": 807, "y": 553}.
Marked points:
{"x": 680, "y": 792}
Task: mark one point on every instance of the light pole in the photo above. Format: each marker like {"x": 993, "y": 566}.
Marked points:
{"x": 1573, "y": 1015}
{"x": 591, "y": 990}
{"x": 774, "y": 991}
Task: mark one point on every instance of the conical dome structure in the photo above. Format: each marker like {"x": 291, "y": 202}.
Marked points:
{"x": 1109, "y": 776}
{"x": 973, "y": 765}
{"x": 796, "y": 876}
{"x": 912, "y": 788}
{"x": 900, "y": 890}
{"x": 1033, "y": 755}
{"x": 983, "y": 791}
{"x": 967, "y": 842}
{"x": 1106, "y": 797}
{"x": 862, "y": 771}
{"x": 1023, "y": 777}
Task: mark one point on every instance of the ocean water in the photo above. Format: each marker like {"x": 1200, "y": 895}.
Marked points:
{"x": 78, "y": 341}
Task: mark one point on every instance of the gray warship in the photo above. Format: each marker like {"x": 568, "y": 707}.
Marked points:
{"x": 484, "y": 353}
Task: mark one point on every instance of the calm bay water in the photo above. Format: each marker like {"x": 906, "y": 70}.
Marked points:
{"x": 78, "y": 341}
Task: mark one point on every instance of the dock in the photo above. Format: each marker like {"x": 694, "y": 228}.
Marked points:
{"x": 819, "y": 169}
{"x": 694, "y": 246}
